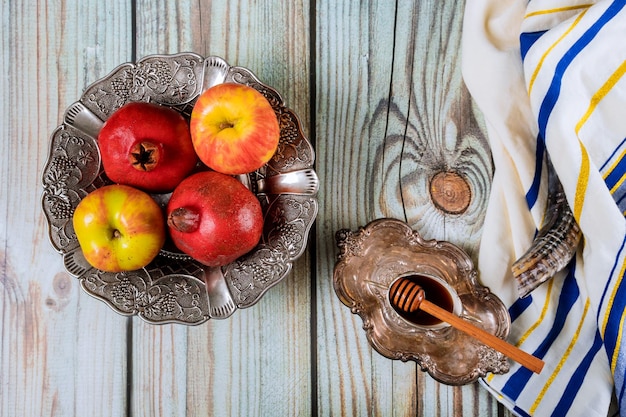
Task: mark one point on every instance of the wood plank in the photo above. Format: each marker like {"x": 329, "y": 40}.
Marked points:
{"x": 390, "y": 111}
{"x": 438, "y": 128}
{"x": 353, "y": 73}
{"x": 393, "y": 113}
{"x": 62, "y": 352}
{"x": 256, "y": 362}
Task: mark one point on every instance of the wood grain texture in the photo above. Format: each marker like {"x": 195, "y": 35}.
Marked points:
{"x": 58, "y": 344}
{"x": 256, "y": 362}
{"x": 392, "y": 113}
{"x": 381, "y": 97}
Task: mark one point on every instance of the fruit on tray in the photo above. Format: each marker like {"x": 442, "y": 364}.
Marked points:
{"x": 147, "y": 146}
{"x": 234, "y": 129}
{"x": 119, "y": 228}
{"x": 214, "y": 218}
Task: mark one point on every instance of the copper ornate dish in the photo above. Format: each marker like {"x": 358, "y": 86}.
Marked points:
{"x": 375, "y": 256}
{"x": 174, "y": 287}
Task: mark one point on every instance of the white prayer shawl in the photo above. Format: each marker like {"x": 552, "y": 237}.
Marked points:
{"x": 548, "y": 76}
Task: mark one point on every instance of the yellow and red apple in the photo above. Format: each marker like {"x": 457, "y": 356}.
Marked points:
{"x": 119, "y": 228}
{"x": 234, "y": 129}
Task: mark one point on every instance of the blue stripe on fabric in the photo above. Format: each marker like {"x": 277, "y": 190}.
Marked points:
{"x": 612, "y": 155}
{"x": 520, "y": 412}
{"x": 554, "y": 90}
{"x": 519, "y": 306}
{"x": 620, "y": 198}
{"x": 533, "y": 192}
{"x": 612, "y": 180}
{"x": 527, "y": 40}
{"x": 612, "y": 177}
{"x": 569, "y": 294}
{"x": 616, "y": 174}
{"x": 576, "y": 381}
{"x": 607, "y": 286}
{"x": 612, "y": 329}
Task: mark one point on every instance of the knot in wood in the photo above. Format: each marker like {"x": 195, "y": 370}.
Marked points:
{"x": 450, "y": 192}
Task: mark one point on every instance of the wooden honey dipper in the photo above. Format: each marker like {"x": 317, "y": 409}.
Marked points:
{"x": 409, "y": 297}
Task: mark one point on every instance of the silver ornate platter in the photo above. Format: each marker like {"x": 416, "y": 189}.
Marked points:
{"x": 372, "y": 258}
{"x": 174, "y": 287}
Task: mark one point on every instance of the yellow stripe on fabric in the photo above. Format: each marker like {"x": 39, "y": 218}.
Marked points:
{"x": 545, "y": 54}
{"x": 618, "y": 184}
{"x": 566, "y": 355}
{"x": 613, "y": 165}
{"x": 536, "y": 324}
{"x": 618, "y": 343}
{"x": 609, "y": 303}
{"x": 583, "y": 176}
{"x": 544, "y": 311}
{"x": 558, "y": 10}
{"x": 581, "y": 184}
{"x": 601, "y": 93}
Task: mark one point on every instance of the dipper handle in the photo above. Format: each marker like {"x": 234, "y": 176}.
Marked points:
{"x": 409, "y": 297}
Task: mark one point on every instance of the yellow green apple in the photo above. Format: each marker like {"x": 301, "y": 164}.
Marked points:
{"x": 119, "y": 228}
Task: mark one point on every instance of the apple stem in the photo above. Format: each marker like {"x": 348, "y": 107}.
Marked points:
{"x": 184, "y": 219}
{"x": 116, "y": 234}
{"x": 144, "y": 156}
{"x": 226, "y": 125}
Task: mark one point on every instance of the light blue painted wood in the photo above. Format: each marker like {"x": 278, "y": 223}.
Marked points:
{"x": 59, "y": 347}
{"x": 393, "y": 112}
{"x": 375, "y": 67}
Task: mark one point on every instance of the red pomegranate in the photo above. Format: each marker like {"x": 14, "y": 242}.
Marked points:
{"x": 214, "y": 218}
{"x": 147, "y": 146}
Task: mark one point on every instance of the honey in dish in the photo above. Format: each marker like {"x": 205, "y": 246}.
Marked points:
{"x": 435, "y": 293}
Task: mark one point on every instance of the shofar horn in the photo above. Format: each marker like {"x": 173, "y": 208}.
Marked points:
{"x": 555, "y": 243}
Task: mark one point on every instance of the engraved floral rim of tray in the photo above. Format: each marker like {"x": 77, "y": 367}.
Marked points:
{"x": 373, "y": 257}
{"x": 173, "y": 289}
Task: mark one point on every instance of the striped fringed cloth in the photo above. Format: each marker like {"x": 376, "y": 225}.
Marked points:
{"x": 548, "y": 77}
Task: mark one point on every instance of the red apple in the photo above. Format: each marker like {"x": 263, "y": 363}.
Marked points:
{"x": 234, "y": 129}
{"x": 147, "y": 146}
{"x": 119, "y": 228}
{"x": 214, "y": 218}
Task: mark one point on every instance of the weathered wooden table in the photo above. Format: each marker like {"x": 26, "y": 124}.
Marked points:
{"x": 378, "y": 87}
